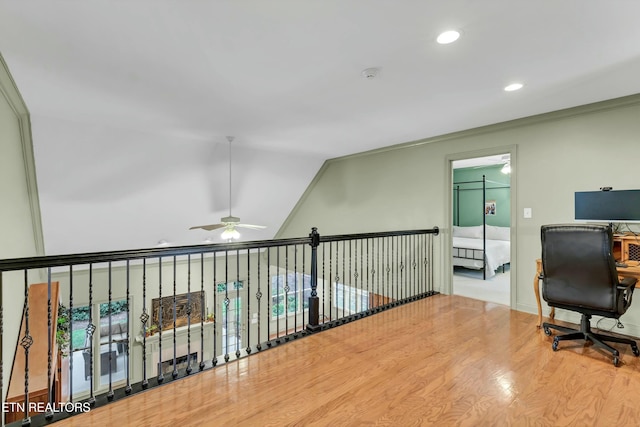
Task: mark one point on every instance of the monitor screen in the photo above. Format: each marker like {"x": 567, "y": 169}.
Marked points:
{"x": 608, "y": 206}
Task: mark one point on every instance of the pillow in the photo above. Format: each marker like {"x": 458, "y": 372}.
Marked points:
{"x": 474, "y": 232}
{"x": 498, "y": 233}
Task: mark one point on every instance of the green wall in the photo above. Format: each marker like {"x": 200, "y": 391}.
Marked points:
{"x": 409, "y": 186}
{"x": 470, "y": 196}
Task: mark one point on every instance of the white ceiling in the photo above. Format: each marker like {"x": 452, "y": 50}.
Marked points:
{"x": 131, "y": 101}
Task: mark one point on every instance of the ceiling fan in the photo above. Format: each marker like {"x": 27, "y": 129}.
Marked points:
{"x": 229, "y": 223}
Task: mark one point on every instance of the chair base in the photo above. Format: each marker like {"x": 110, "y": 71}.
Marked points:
{"x": 586, "y": 334}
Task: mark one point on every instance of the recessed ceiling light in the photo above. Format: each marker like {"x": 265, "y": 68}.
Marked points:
{"x": 448, "y": 37}
{"x": 513, "y": 86}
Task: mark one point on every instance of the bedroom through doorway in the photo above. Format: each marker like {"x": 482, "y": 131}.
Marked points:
{"x": 481, "y": 228}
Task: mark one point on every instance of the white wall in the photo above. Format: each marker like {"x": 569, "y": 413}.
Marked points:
{"x": 405, "y": 187}
{"x": 20, "y": 229}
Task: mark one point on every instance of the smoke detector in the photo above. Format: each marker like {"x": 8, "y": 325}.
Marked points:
{"x": 370, "y": 73}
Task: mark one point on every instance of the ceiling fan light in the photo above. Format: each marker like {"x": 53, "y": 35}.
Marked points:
{"x": 230, "y": 234}
{"x": 448, "y": 37}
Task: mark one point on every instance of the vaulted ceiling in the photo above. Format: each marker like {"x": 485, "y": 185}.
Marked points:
{"x": 131, "y": 101}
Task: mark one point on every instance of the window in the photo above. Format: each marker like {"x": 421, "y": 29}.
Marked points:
{"x": 352, "y": 300}
{"x": 290, "y": 294}
{"x": 108, "y": 346}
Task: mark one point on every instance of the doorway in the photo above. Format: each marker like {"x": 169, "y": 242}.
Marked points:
{"x": 481, "y": 227}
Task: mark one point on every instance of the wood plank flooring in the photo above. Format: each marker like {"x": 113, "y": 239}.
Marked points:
{"x": 444, "y": 360}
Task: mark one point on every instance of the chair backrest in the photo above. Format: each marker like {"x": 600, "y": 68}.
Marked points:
{"x": 578, "y": 267}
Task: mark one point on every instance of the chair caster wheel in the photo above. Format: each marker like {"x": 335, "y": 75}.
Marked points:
{"x": 634, "y": 349}
{"x": 547, "y": 331}
{"x": 554, "y": 346}
{"x": 615, "y": 361}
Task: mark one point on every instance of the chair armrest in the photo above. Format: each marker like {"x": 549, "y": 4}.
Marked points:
{"x": 626, "y": 287}
{"x": 626, "y": 282}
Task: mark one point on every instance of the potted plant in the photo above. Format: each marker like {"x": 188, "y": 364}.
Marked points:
{"x": 150, "y": 330}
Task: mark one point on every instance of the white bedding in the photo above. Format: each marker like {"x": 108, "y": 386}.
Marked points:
{"x": 498, "y": 253}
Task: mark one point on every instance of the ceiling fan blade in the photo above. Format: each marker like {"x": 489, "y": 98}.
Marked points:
{"x": 255, "y": 227}
{"x": 209, "y": 227}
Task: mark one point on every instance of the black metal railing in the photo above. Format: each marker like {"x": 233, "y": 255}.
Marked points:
{"x": 126, "y": 319}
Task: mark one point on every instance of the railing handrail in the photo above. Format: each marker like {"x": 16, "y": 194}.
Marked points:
{"x": 12, "y": 264}
{"x": 340, "y": 237}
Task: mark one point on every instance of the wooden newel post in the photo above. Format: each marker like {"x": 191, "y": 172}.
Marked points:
{"x": 314, "y": 302}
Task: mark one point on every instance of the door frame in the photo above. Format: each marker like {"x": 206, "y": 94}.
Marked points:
{"x": 446, "y": 263}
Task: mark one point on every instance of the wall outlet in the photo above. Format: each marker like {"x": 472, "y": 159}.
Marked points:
{"x": 527, "y": 212}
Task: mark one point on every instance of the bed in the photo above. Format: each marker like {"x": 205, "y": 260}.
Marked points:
{"x": 469, "y": 248}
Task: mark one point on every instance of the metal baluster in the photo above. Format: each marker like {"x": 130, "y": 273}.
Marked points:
{"x": 258, "y": 298}
{"x": 430, "y": 263}
{"x": 300, "y": 295}
{"x": 226, "y": 305}
{"x": 401, "y": 266}
{"x": 70, "y": 317}
{"x": 425, "y": 265}
{"x": 330, "y": 276}
{"x": 248, "y": 349}
{"x": 238, "y": 304}
{"x": 49, "y": 412}
{"x": 144, "y": 319}
{"x": 416, "y": 264}
{"x": 26, "y": 343}
{"x": 202, "y": 305}
{"x": 278, "y": 294}
{"x": 337, "y": 277}
{"x": 174, "y": 374}
{"x": 214, "y": 358}
{"x": 91, "y": 328}
{"x": 296, "y": 290}
{"x": 395, "y": 283}
{"x": 389, "y": 292}
{"x": 368, "y": 278}
{"x": 286, "y": 292}
{"x": 1, "y": 340}
{"x": 110, "y": 393}
{"x": 269, "y": 297}
{"x": 126, "y": 345}
{"x": 344, "y": 282}
{"x": 362, "y": 276}
{"x": 353, "y": 278}
{"x": 375, "y": 276}
{"x": 411, "y": 263}
{"x": 188, "y": 370}
{"x": 421, "y": 273}
{"x": 304, "y": 271}
{"x": 160, "y": 370}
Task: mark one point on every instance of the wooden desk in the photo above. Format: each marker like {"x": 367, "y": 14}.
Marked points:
{"x": 632, "y": 271}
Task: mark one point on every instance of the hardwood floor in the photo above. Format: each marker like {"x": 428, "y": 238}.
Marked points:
{"x": 444, "y": 360}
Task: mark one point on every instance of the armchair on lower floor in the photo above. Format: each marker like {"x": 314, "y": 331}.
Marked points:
{"x": 579, "y": 274}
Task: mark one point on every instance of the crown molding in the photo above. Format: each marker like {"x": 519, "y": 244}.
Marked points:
{"x": 596, "y": 107}
{"x": 10, "y": 91}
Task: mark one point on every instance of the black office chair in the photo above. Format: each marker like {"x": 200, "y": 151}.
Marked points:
{"x": 579, "y": 274}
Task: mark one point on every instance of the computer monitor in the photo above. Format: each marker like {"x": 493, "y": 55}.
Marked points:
{"x": 608, "y": 206}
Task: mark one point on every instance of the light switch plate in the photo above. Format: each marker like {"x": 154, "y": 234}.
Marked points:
{"x": 527, "y": 212}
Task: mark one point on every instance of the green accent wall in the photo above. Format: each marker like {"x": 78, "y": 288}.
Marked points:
{"x": 470, "y": 197}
